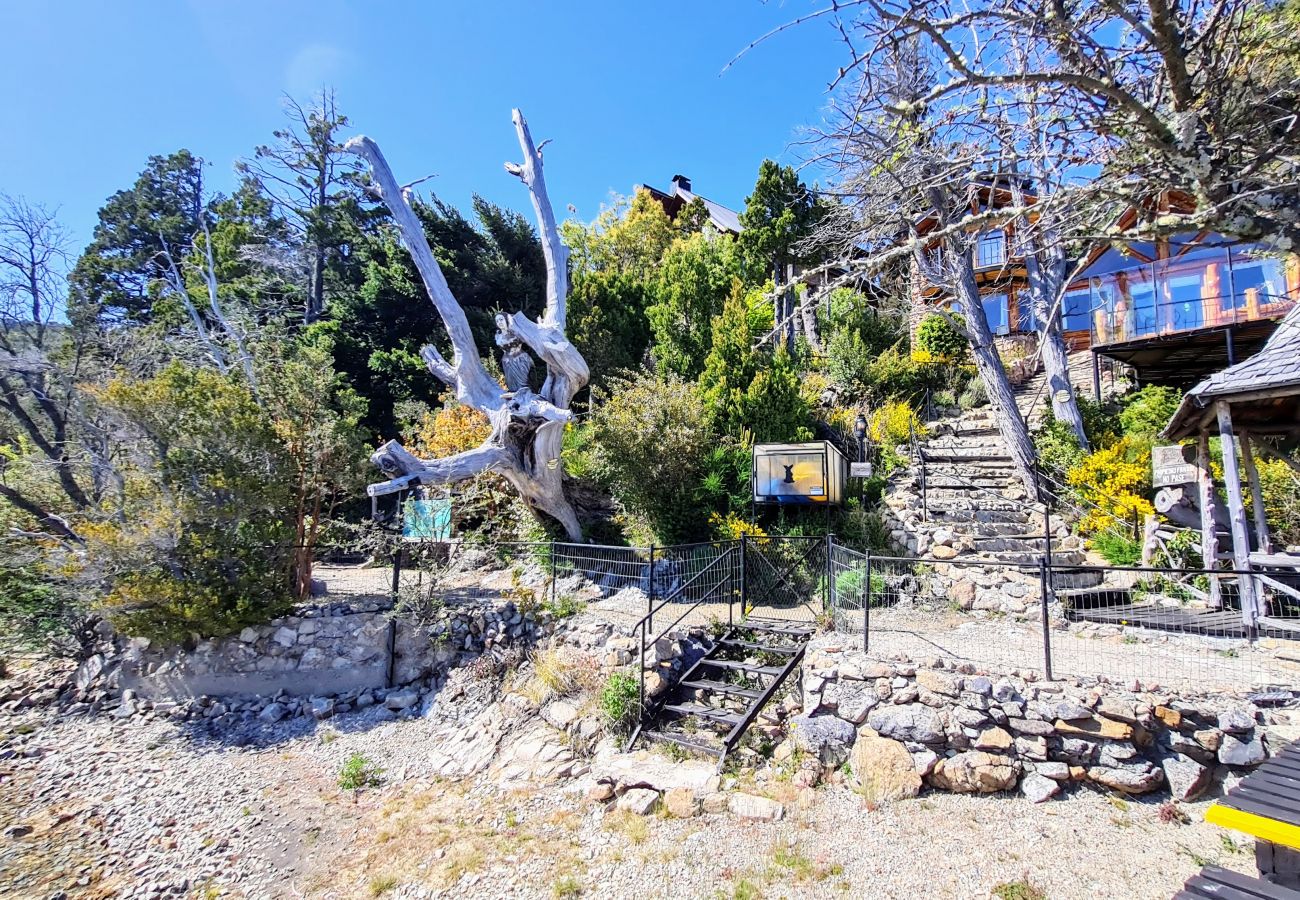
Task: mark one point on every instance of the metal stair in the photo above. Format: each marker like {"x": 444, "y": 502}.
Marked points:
{"x": 718, "y": 698}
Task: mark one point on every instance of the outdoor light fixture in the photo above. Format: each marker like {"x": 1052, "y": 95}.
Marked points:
{"x": 860, "y": 431}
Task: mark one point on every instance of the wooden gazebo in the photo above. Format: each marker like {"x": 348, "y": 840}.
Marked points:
{"x": 1257, "y": 398}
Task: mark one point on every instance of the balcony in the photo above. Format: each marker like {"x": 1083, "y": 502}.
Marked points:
{"x": 1206, "y": 288}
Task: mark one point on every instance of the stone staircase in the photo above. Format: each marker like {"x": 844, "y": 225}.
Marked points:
{"x": 978, "y": 513}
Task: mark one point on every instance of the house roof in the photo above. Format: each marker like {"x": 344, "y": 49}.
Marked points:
{"x": 1274, "y": 368}
{"x": 721, "y": 217}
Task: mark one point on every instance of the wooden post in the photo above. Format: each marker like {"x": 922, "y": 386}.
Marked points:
{"x": 1256, "y": 495}
{"x": 1237, "y": 517}
{"x": 1205, "y": 498}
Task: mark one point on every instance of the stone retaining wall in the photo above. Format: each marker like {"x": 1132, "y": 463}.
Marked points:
{"x": 967, "y": 731}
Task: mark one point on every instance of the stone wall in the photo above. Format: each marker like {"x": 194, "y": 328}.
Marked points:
{"x": 966, "y": 731}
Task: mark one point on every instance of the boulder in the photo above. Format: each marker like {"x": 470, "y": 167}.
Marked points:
{"x": 854, "y": 700}
{"x": 993, "y": 739}
{"x": 88, "y": 671}
{"x": 273, "y": 712}
{"x": 939, "y": 682}
{"x": 600, "y": 792}
{"x": 975, "y": 772}
{"x": 560, "y": 714}
{"x": 1187, "y": 778}
{"x": 1038, "y": 788}
{"x": 402, "y": 699}
{"x": 1132, "y": 778}
{"x": 752, "y": 806}
{"x": 1057, "y": 771}
{"x": 884, "y": 770}
{"x": 1092, "y": 727}
{"x": 1236, "y": 721}
{"x": 913, "y": 722}
{"x": 682, "y": 803}
{"x": 828, "y": 738}
{"x": 285, "y": 637}
{"x": 322, "y": 707}
{"x": 641, "y": 801}
{"x": 1236, "y": 752}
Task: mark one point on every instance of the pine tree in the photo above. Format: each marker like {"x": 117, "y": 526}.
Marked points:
{"x": 731, "y": 365}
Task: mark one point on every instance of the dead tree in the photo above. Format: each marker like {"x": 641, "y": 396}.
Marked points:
{"x": 527, "y": 426}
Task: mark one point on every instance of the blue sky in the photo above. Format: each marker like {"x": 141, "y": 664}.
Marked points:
{"x": 628, "y": 92}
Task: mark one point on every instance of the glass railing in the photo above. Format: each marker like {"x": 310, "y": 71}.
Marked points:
{"x": 1206, "y": 288}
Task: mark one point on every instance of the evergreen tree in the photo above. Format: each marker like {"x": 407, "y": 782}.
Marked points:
{"x": 775, "y": 409}
{"x": 693, "y": 283}
{"x": 731, "y": 365}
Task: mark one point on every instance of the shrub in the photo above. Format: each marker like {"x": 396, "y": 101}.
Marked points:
{"x": 850, "y": 583}
{"x": 940, "y": 339}
{"x": 1149, "y": 410}
{"x": 1280, "y": 486}
{"x": 1118, "y": 549}
{"x": 359, "y": 772}
{"x": 848, "y": 361}
{"x": 1116, "y": 479}
{"x": 651, "y": 442}
{"x": 973, "y": 395}
{"x": 620, "y": 702}
{"x": 775, "y": 410}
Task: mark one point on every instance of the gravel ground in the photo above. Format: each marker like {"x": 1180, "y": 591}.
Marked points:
{"x": 94, "y": 807}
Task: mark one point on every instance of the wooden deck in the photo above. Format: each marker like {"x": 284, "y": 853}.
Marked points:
{"x": 1223, "y": 623}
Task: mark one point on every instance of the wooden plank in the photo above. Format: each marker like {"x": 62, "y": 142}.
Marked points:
{"x": 1261, "y": 827}
{"x": 1214, "y": 881}
{"x": 1256, "y": 496}
{"x": 1205, "y": 495}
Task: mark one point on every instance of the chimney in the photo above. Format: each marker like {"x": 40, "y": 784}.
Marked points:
{"x": 681, "y": 182}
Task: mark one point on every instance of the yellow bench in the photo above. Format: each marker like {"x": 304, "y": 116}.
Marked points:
{"x": 1266, "y": 806}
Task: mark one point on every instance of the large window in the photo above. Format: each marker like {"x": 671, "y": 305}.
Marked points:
{"x": 995, "y": 310}
{"x": 1076, "y": 310}
{"x": 992, "y": 249}
{"x": 1025, "y": 320}
{"x": 1257, "y": 278}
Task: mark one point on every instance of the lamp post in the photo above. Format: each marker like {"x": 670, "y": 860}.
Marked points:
{"x": 860, "y": 431}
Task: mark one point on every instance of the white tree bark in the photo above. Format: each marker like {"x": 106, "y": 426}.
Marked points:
{"x": 527, "y": 427}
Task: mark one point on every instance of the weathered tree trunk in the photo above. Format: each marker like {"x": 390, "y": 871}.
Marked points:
{"x": 527, "y": 427}
{"x": 1015, "y": 434}
{"x": 807, "y": 313}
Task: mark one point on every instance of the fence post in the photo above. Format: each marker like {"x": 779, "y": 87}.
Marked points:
{"x": 552, "y": 573}
{"x": 1044, "y": 581}
{"x": 650, "y": 594}
{"x": 826, "y": 594}
{"x": 744, "y": 588}
{"x": 866, "y": 603}
{"x": 397, "y": 570}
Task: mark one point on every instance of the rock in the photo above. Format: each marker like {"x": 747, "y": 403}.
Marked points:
{"x": 1236, "y": 721}
{"x": 912, "y": 722}
{"x": 993, "y": 739}
{"x": 600, "y": 792}
{"x": 963, "y": 594}
{"x": 1093, "y": 727}
{"x": 924, "y": 761}
{"x": 560, "y": 713}
{"x": 969, "y": 718}
{"x": 938, "y": 682}
{"x": 285, "y": 637}
{"x": 975, "y": 771}
{"x": 1187, "y": 778}
{"x": 1135, "y": 778}
{"x": 855, "y": 701}
{"x": 1057, "y": 771}
{"x": 942, "y": 552}
{"x": 979, "y": 684}
{"x": 828, "y": 738}
{"x": 88, "y": 671}
{"x": 641, "y": 801}
{"x": 716, "y": 802}
{"x": 1032, "y": 727}
{"x": 1236, "y": 752}
{"x": 273, "y": 712}
{"x": 1117, "y": 753}
{"x": 402, "y": 699}
{"x": 1210, "y": 739}
{"x": 751, "y": 806}
{"x": 681, "y": 803}
{"x": 1120, "y": 710}
{"x": 1038, "y": 788}
{"x": 322, "y": 707}
{"x": 884, "y": 770}
{"x": 655, "y": 683}
{"x": 1072, "y": 712}
{"x": 1172, "y": 718}
{"x": 1005, "y": 692}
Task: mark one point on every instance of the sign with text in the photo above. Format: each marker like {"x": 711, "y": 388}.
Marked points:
{"x": 860, "y": 470}
{"x": 1172, "y": 465}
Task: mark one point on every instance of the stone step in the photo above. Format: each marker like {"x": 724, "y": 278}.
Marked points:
{"x": 1076, "y": 580}
{"x": 1031, "y": 557}
{"x": 1002, "y": 543}
{"x": 974, "y": 481}
{"x": 960, "y": 454}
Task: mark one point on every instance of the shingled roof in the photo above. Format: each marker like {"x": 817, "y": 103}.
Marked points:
{"x": 1275, "y": 367}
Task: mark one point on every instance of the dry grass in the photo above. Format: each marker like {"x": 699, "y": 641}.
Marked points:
{"x": 629, "y": 824}
{"x": 560, "y": 672}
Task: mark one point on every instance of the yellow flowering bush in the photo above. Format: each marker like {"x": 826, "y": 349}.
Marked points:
{"x": 731, "y": 527}
{"x": 892, "y": 424}
{"x": 1117, "y": 479}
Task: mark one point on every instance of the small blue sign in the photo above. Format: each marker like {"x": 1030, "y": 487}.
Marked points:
{"x": 427, "y": 520}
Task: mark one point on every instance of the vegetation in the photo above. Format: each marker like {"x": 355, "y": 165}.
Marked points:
{"x": 359, "y": 772}
{"x": 620, "y": 702}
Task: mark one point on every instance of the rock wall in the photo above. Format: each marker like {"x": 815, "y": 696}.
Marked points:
{"x": 969, "y": 731}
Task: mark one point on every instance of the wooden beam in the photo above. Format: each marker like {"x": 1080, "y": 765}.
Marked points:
{"x": 1250, "y": 610}
{"x": 1205, "y": 496}
{"x": 1256, "y": 496}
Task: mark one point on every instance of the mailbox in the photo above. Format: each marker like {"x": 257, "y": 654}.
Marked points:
{"x": 811, "y": 473}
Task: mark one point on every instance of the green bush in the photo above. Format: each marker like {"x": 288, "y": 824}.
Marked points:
{"x": 1118, "y": 549}
{"x": 1148, "y": 411}
{"x": 35, "y": 613}
{"x": 620, "y": 702}
{"x": 940, "y": 339}
{"x": 359, "y": 772}
{"x": 849, "y": 585}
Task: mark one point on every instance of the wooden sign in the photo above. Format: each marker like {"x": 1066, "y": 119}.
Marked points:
{"x": 1172, "y": 465}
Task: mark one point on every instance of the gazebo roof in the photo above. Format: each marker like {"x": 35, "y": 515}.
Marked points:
{"x": 1269, "y": 381}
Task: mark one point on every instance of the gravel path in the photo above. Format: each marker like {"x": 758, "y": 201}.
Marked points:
{"x": 96, "y": 808}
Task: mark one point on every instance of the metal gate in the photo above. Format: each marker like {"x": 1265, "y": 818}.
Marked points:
{"x": 786, "y": 577}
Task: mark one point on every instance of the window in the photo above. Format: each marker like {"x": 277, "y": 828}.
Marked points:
{"x": 1258, "y": 278}
{"x": 995, "y": 310}
{"x": 991, "y": 249}
{"x": 1025, "y": 320}
{"x": 1076, "y": 310}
